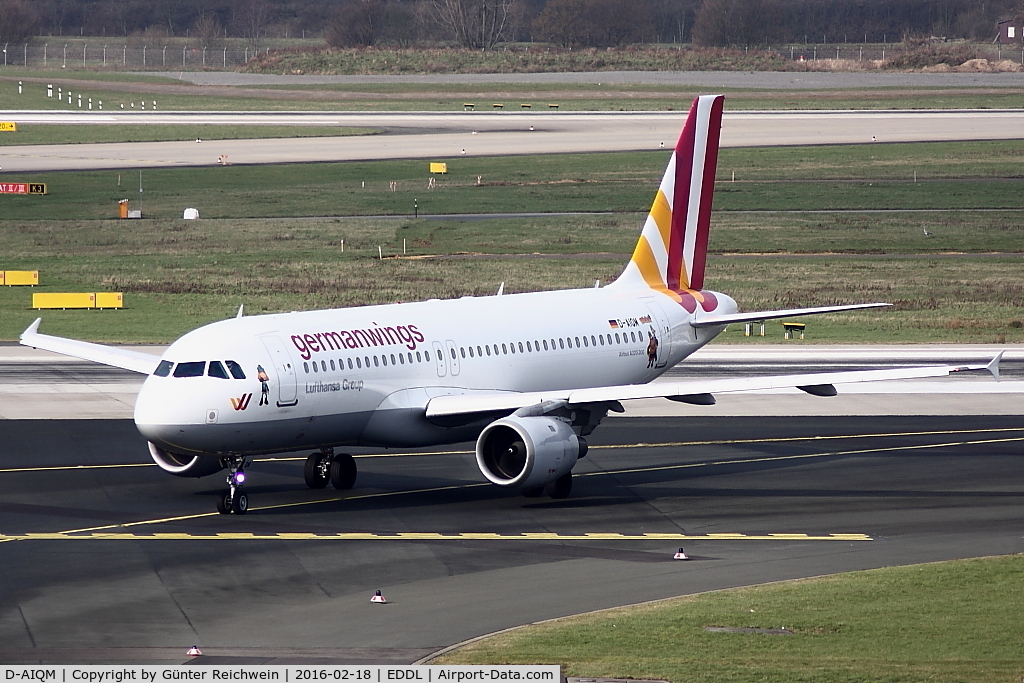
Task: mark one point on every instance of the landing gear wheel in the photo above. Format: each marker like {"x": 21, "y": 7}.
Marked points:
{"x": 224, "y": 503}
{"x": 534, "y": 492}
{"x": 240, "y": 503}
{"x": 317, "y": 471}
{"x": 561, "y": 487}
{"x": 343, "y": 471}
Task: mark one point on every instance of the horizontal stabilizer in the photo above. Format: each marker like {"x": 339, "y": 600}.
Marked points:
{"x": 136, "y": 361}
{"x": 755, "y": 316}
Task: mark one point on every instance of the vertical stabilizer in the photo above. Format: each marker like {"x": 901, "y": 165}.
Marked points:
{"x": 672, "y": 249}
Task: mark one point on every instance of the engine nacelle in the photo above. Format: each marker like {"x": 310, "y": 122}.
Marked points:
{"x": 184, "y": 465}
{"x": 527, "y": 452}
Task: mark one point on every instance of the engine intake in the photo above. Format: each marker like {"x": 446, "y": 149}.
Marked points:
{"x": 527, "y": 452}
{"x": 184, "y": 465}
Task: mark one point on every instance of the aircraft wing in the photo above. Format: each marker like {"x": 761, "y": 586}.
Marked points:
{"x": 754, "y": 316}
{"x": 694, "y": 391}
{"x": 136, "y": 361}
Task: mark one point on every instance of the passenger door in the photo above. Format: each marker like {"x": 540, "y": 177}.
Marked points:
{"x": 453, "y": 358}
{"x": 442, "y": 366}
{"x": 286, "y": 389}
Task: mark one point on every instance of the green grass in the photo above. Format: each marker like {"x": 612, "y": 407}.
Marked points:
{"x": 946, "y": 622}
{"x": 951, "y": 176}
{"x": 171, "y": 94}
{"x": 45, "y": 134}
{"x": 179, "y": 274}
{"x": 251, "y": 245}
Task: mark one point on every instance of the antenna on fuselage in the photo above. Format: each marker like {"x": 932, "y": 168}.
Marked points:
{"x": 501, "y": 289}
{"x": 240, "y": 307}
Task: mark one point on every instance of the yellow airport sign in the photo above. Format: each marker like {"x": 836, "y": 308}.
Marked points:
{"x": 8, "y": 125}
{"x": 109, "y": 300}
{"x": 63, "y": 300}
{"x": 19, "y": 277}
{"x": 22, "y": 188}
{"x": 438, "y": 168}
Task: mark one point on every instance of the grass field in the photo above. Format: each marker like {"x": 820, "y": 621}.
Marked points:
{"x": 45, "y": 134}
{"x": 972, "y": 175}
{"x": 961, "y": 282}
{"x": 946, "y": 622}
{"x": 172, "y": 94}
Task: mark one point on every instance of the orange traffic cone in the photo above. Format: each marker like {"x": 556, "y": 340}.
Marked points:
{"x": 378, "y": 598}
{"x": 680, "y": 555}
{"x": 194, "y": 652}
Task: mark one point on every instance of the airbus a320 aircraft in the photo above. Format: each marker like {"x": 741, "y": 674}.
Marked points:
{"x": 527, "y": 376}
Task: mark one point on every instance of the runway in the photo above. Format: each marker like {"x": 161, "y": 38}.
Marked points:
{"x": 422, "y": 135}
{"x": 103, "y": 558}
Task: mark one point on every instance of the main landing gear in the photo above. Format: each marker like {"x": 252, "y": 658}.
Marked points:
{"x": 325, "y": 466}
{"x": 234, "y": 500}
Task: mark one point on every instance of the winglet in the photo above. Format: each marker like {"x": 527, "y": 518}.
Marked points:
{"x": 993, "y": 365}
{"x": 32, "y": 329}
{"x": 241, "y": 307}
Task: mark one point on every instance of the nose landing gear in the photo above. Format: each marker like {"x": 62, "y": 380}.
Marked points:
{"x": 234, "y": 500}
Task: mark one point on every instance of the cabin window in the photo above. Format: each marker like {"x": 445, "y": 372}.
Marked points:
{"x": 530, "y": 348}
{"x": 392, "y": 359}
{"x": 426, "y": 355}
{"x": 401, "y": 358}
{"x": 521, "y": 346}
{"x": 366, "y": 359}
{"x": 163, "y": 369}
{"x": 462, "y": 350}
{"x": 488, "y": 350}
{"x": 332, "y": 365}
{"x": 384, "y": 359}
{"x": 453, "y": 353}
{"x": 585, "y": 342}
{"x": 235, "y": 369}
{"x": 315, "y": 367}
{"x": 545, "y": 344}
{"x": 601, "y": 337}
{"x": 323, "y": 365}
{"x": 617, "y": 338}
{"x": 480, "y": 352}
{"x": 578, "y": 342}
{"x": 593, "y": 340}
{"x": 495, "y": 349}
{"x": 216, "y": 370}
{"x": 561, "y": 343}
{"x": 504, "y": 349}
{"x": 305, "y": 367}
{"x": 359, "y": 363}
{"x": 471, "y": 354}
{"x": 191, "y": 369}
{"x": 376, "y": 362}
{"x": 419, "y": 358}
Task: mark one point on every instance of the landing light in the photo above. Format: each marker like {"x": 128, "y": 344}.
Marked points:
{"x": 239, "y": 478}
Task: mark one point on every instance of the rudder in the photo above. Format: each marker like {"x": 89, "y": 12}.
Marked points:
{"x": 672, "y": 250}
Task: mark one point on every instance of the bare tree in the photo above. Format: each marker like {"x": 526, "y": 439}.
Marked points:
{"x": 18, "y": 22}
{"x": 252, "y": 18}
{"x": 473, "y": 23}
{"x": 563, "y": 22}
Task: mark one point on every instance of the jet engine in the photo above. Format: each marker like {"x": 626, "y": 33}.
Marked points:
{"x": 185, "y": 465}
{"x": 527, "y": 452}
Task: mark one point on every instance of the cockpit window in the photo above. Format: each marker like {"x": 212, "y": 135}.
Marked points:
{"x": 216, "y": 370}
{"x": 191, "y": 369}
{"x": 163, "y": 369}
{"x": 236, "y": 369}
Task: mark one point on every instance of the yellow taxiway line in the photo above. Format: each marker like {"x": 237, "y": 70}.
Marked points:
{"x": 425, "y": 536}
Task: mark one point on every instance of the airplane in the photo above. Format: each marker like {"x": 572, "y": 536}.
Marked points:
{"x": 527, "y": 376}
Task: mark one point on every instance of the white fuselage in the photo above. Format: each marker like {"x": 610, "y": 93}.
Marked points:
{"x": 365, "y": 375}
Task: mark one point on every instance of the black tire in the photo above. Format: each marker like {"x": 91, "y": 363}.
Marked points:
{"x": 533, "y": 493}
{"x": 240, "y": 503}
{"x": 315, "y": 474}
{"x": 343, "y": 471}
{"x": 224, "y": 503}
{"x": 561, "y": 487}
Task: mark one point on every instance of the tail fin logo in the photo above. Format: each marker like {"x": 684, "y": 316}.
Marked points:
{"x": 241, "y": 403}
{"x": 672, "y": 250}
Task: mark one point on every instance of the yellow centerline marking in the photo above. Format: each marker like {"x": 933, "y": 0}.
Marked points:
{"x": 429, "y": 536}
{"x": 665, "y": 444}
{"x": 453, "y": 487}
